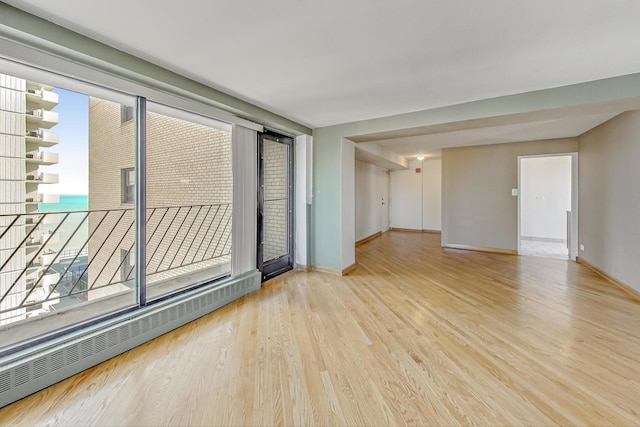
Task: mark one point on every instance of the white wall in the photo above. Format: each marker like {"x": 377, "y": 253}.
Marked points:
{"x": 416, "y": 198}
{"x": 432, "y": 195}
{"x": 302, "y": 187}
{"x": 610, "y": 197}
{"x": 406, "y": 197}
{"x": 371, "y": 187}
{"x": 366, "y": 200}
{"x": 545, "y": 196}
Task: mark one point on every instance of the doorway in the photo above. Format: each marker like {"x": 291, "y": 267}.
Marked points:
{"x": 547, "y": 205}
{"x": 275, "y": 204}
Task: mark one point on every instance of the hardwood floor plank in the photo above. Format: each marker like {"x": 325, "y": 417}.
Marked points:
{"x": 415, "y": 335}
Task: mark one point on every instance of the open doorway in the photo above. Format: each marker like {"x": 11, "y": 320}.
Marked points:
{"x": 547, "y": 205}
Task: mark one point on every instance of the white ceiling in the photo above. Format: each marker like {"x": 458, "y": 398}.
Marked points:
{"x": 333, "y": 61}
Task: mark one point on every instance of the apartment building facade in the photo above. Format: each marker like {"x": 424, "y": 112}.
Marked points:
{"x": 25, "y": 122}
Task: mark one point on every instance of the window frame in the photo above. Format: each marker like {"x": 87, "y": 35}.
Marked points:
{"x": 125, "y": 184}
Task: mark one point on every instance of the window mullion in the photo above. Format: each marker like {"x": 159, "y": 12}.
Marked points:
{"x": 141, "y": 201}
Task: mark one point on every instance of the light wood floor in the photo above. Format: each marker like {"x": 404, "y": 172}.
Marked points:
{"x": 415, "y": 335}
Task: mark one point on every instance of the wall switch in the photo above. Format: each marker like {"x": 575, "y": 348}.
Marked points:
{"x": 514, "y": 191}
{"x": 582, "y": 247}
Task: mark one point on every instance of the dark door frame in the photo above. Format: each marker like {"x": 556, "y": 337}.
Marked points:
{"x": 283, "y": 263}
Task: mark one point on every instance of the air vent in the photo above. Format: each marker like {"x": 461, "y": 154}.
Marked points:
{"x": 57, "y": 360}
{"x": 124, "y": 332}
{"x": 5, "y": 381}
{"x": 40, "y": 367}
{"x": 72, "y": 354}
{"x": 101, "y": 342}
{"x": 86, "y": 348}
{"x": 22, "y": 375}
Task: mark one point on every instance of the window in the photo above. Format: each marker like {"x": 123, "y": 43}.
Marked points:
{"x": 189, "y": 186}
{"x": 126, "y": 113}
{"x": 68, "y": 221}
{"x": 59, "y": 225}
{"x": 128, "y": 185}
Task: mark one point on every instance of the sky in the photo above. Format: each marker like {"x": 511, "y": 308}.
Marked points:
{"x": 73, "y": 128}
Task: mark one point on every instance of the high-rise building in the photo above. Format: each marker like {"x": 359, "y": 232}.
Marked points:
{"x": 25, "y": 120}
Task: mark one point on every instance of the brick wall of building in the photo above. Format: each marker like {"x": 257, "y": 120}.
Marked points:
{"x": 188, "y": 165}
{"x": 275, "y": 200}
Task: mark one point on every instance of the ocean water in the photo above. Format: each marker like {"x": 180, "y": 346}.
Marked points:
{"x": 68, "y": 203}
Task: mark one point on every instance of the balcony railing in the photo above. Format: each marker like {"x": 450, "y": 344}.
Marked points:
{"x": 41, "y": 118}
{"x": 42, "y": 138}
{"x": 42, "y": 158}
{"x": 42, "y": 98}
{"x": 42, "y": 178}
{"x": 179, "y": 239}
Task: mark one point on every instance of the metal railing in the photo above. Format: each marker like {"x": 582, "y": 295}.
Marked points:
{"x": 95, "y": 250}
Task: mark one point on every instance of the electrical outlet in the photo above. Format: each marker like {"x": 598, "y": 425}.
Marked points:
{"x": 582, "y": 247}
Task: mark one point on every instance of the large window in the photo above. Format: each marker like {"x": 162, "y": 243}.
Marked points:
{"x": 68, "y": 204}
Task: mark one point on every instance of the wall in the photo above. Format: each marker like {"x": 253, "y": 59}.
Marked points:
{"x": 369, "y": 192}
{"x": 416, "y": 198}
{"x": 348, "y": 178}
{"x": 545, "y": 196}
{"x": 478, "y": 208}
{"x": 302, "y": 188}
{"x": 432, "y": 195}
{"x": 366, "y": 200}
{"x": 610, "y": 199}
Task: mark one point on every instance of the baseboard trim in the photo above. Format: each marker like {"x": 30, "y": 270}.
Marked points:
{"x": 431, "y": 231}
{"x": 482, "y": 249}
{"x": 334, "y": 271}
{"x": 368, "y": 239}
{"x": 631, "y": 293}
{"x": 327, "y": 270}
{"x": 348, "y": 270}
{"x": 543, "y": 239}
{"x": 406, "y": 230}
{"x": 305, "y": 268}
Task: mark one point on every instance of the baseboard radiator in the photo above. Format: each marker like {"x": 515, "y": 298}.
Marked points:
{"x": 33, "y": 369}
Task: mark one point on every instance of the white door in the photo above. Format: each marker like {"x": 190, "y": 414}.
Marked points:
{"x": 382, "y": 185}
